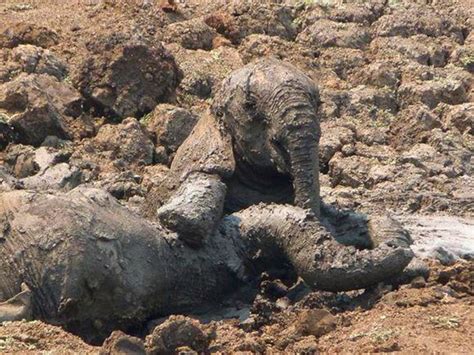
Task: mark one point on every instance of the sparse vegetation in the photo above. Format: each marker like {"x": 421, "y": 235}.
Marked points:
{"x": 467, "y": 60}
{"x": 445, "y": 322}
{"x": 377, "y": 334}
{"x": 146, "y": 119}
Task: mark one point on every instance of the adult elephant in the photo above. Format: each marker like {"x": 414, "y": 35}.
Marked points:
{"x": 82, "y": 260}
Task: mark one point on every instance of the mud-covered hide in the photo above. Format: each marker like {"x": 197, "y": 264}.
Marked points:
{"x": 94, "y": 266}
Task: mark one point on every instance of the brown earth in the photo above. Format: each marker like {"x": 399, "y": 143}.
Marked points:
{"x": 435, "y": 316}
{"x": 396, "y": 80}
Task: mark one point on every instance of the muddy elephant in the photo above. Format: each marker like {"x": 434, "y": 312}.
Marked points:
{"x": 260, "y": 138}
{"x": 82, "y": 260}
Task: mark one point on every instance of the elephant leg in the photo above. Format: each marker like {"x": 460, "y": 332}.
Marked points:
{"x": 194, "y": 211}
{"x": 18, "y": 307}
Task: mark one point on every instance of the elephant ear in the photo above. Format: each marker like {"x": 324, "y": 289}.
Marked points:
{"x": 234, "y": 103}
{"x": 207, "y": 149}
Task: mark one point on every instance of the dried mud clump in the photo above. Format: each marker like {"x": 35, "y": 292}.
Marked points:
{"x": 326, "y": 33}
{"x": 169, "y": 126}
{"x": 242, "y": 18}
{"x": 127, "y": 77}
{"x": 30, "y": 59}
{"x": 191, "y": 34}
{"x": 178, "y": 332}
{"x": 25, "y": 33}
{"x": 121, "y": 343}
{"x": 37, "y": 106}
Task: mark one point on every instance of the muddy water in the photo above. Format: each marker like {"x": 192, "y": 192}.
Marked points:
{"x": 441, "y": 236}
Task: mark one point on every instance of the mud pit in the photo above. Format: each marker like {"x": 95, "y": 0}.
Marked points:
{"x": 150, "y": 198}
{"x": 447, "y": 237}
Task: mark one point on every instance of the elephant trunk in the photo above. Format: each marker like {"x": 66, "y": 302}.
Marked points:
{"x": 272, "y": 232}
{"x": 304, "y": 168}
{"x": 295, "y": 108}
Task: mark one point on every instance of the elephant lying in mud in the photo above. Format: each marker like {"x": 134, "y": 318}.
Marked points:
{"x": 93, "y": 266}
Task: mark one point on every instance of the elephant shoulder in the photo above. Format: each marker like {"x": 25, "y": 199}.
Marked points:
{"x": 207, "y": 149}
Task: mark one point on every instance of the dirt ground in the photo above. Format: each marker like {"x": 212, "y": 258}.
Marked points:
{"x": 396, "y": 82}
{"x": 432, "y": 317}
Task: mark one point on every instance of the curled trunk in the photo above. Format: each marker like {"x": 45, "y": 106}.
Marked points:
{"x": 293, "y": 235}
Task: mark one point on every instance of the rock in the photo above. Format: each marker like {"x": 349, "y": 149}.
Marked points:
{"x": 415, "y": 270}
{"x": 363, "y": 13}
{"x": 418, "y": 282}
{"x": 127, "y": 141}
{"x": 377, "y": 73}
{"x": 357, "y": 12}
{"x": 342, "y": 60}
{"x": 417, "y": 20}
{"x": 191, "y": 34}
{"x": 256, "y": 46}
{"x": 463, "y": 56}
{"x": 177, "y": 332}
{"x": 444, "y": 256}
{"x": 223, "y": 23}
{"x": 61, "y": 176}
{"x": 458, "y": 277}
{"x": 333, "y": 138}
{"x": 37, "y": 106}
{"x": 261, "y": 314}
{"x": 42, "y": 169}
{"x": 419, "y": 48}
{"x": 326, "y": 33}
{"x": 170, "y": 126}
{"x": 306, "y": 345}
{"x": 363, "y": 100}
{"x": 27, "y": 33}
{"x": 165, "y": 5}
{"x": 433, "y": 92}
{"x": 7, "y": 183}
{"x": 203, "y": 72}
{"x": 126, "y": 78}
{"x": 414, "y": 124}
{"x": 460, "y": 117}
{"x": 379, "y": 173}
{"x": 349, "y": 171}
{"x": 119, "y": 343}
{"x": 38, "y": 60}
{"x": 241, "y": 18}
{"x": 316, "y": 322}
{"x": 20, "y": 160}
{"x": 122, "y": 186}
{"x": 419, "y": 154}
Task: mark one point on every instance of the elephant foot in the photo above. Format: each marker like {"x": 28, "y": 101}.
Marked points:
{"x": 18, "y": 307}
{"x": 196, "y": 208}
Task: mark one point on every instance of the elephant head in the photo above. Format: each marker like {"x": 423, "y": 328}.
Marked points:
{"x": 270, "y": 109}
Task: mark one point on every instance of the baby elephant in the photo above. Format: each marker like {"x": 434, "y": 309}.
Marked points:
{"x": 258, "y": 143}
